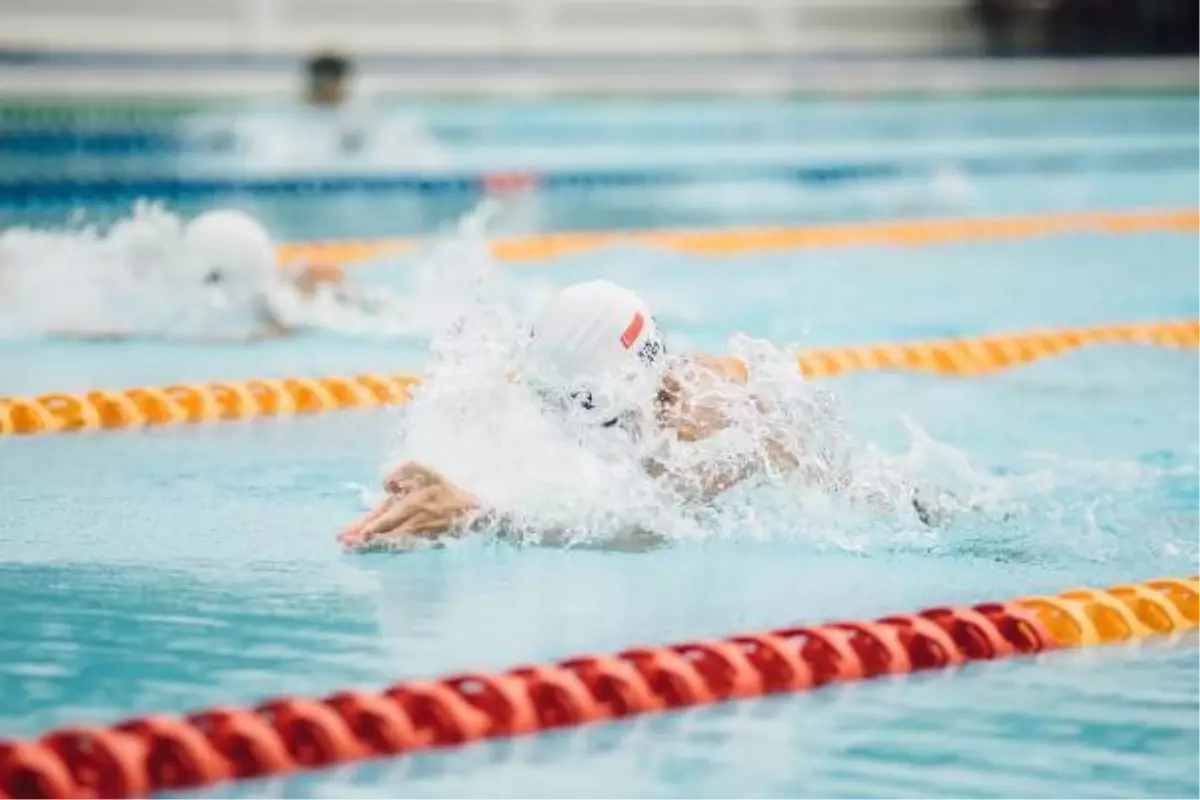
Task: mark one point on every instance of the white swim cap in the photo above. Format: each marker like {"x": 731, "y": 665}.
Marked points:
{"x": 599, "y": 341}
{"x": 231, "y": 248}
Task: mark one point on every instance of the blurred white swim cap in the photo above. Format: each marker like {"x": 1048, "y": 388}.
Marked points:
{"x": 232, "y": 249}
{"x": 598, "y": 340}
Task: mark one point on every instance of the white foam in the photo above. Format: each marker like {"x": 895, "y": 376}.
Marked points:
{"x": 559, "y": 480}
{"x": 553, "y": 474}
{"x": 138, "y": 278}
{"x": 123, "y": 280}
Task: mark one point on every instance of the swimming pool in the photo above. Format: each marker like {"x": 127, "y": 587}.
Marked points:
{"x": 175, "y": 568}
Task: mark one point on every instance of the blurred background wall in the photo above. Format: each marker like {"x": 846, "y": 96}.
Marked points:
{"x": 593, "y": 46}
{"x": 499, "y": 27}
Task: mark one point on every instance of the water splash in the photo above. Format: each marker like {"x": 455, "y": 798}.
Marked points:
{"x": 122, "y": 281}
{"x": 137, "y": 278}
{"x": 556, "y": 478}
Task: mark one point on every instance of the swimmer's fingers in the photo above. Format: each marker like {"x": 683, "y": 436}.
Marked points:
{"x": 414, "y": 514}
{"x": 388, "y": 520}
{"x": 427, "y": 511}
{"x": 435, "y": 510}
{"x": 353, "y": 534}
{"x": 309, "y": 276}
{"x": 424, "y": 511}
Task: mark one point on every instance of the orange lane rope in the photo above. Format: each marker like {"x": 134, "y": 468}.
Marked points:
{"x": 156, "y": 753}
{"x": 180, "y": 403}
{"x": 226, "y": 400}
{"x": 745, "y": 240}
{"x": 984, "y": 354}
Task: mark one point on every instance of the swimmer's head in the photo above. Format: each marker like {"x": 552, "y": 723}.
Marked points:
{"x": 232, "y": 250}
{"x": 596, "y": 343}
{"x": 328, "y": 79}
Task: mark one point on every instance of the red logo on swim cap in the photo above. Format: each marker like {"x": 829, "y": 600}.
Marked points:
{"x": 633, "y": 331}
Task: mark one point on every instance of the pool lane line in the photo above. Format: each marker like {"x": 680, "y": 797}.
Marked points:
{"x": 54, "y": 188}
{"x": 981, "y": 355}
{"x": 148, "y": 406}
{"x": 158, "y": 753}
{"x": 732, "y": 241}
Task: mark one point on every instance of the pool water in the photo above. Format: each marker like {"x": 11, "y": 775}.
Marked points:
{"x": 170, "y": 569}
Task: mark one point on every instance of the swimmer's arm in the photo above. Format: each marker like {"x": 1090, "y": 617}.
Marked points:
{"x": 272, "y": 329}
{"x": 424, "y": 508}
{"x": 704, "y": 483}
{"x": 633, "y": 538}
{"x": 308, "y": 277}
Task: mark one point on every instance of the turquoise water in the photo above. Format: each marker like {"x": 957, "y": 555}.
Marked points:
{"x": 922, "y": 155}
{"x": 170, "y": 569}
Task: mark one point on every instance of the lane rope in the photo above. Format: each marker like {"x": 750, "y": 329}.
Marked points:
{"x": 149, "y": 406}
{"x": 156, "y": 753}
{"x": 56, "y": 187}
{"x": 746, "y": 240}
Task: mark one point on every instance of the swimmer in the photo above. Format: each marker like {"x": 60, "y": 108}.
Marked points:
{"x": 588, "y": 334}
{"x": 216, "y": 277}
{"x": 328, "y": 80}
{"x": 235, "y": 259}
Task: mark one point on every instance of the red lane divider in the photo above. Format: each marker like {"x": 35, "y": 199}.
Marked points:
{"x": 155, "y": 753}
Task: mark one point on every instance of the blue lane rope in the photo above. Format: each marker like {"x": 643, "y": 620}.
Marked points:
{"x": 80, "y": 141}
{"x": 49, "y": 189}
{"x": 98, "y": 139}
{"x": 95, "y": 184}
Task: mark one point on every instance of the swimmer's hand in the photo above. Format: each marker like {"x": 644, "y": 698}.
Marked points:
{"x": 421, "y": 502}
{"x": 312, "y": 276}
{"x": 423, "y": 506}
